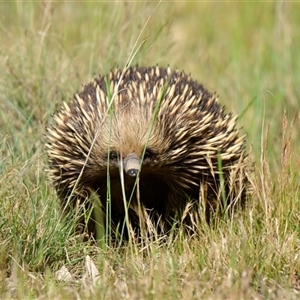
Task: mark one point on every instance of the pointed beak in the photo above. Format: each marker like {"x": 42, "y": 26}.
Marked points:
{"x": 132, "y": 165}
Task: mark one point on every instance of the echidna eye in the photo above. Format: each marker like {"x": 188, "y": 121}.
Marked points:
{"x": 113, "y": 156}
{"x": 148, "y": 155}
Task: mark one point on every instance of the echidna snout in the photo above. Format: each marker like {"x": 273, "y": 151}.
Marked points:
{"x": 132, "y": 164}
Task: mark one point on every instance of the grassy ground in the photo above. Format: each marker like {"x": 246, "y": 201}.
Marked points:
{"x": 248, "y": 53}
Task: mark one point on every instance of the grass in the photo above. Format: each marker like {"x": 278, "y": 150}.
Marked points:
{"x": 246, "y": 52}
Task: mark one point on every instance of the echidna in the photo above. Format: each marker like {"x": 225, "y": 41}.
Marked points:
{"x": 155, "y": 125}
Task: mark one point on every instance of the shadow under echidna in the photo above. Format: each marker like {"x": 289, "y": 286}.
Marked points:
{"x": 146, "y": 141}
